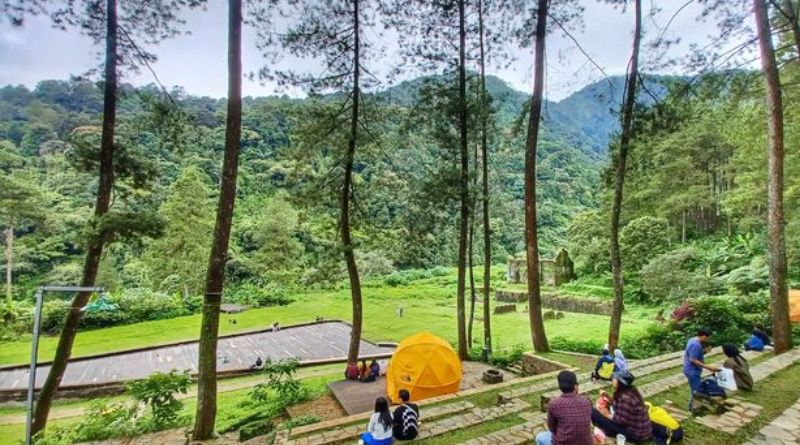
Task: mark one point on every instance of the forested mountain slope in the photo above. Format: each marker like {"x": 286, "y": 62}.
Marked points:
{"x": 286, "y": 216}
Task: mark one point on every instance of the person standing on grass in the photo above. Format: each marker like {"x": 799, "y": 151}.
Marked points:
{"x": 568, "y": 416}
{"x": 406, "y": 418}
{"x": 694, "y": 362}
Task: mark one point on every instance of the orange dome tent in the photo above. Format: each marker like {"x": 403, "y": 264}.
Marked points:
{"x": 794, "y": 305}
{"x": 425, "y": 365}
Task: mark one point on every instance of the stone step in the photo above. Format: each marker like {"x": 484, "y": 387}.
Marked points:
{"x": 526, "y": 432}
{"x": 427, "y": 428}
{"x": 640, "y": 368}
{"x": 784, "y": 429}
{"x": 433, "y": 412}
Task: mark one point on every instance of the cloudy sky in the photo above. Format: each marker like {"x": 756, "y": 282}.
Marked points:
{"x": 197, "y": 61}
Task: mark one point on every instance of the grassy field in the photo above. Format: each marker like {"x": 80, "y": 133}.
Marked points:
{"x": 428, "y": 305}
{"x": 232, "y": 392}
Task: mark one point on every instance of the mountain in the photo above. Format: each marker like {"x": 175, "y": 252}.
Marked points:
{"x": 587, "y": 119}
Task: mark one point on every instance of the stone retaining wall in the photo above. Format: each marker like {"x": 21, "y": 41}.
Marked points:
{"x": 505, "y": 308}
{"x": 534, "y": 365}
{"x": 558, "y": 302}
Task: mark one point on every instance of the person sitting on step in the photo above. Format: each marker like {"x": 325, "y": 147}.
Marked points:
{"x": 627, "y": 414}
{"x": 406, "y": 418}
{"x": 568, "y": 415}
{"x": 604, "y": 367}
{"x": 379, "y": 429}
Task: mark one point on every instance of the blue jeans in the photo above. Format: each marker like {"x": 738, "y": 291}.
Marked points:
{"x": 694, "y": 385}
{"x": 544, "y": 438}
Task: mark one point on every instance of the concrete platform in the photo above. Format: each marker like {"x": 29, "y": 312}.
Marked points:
{"x": 357, "y": 397}
{"x": 310, "y": 344}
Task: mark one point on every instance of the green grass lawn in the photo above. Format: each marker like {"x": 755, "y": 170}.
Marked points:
{"x": 429, "y": 305}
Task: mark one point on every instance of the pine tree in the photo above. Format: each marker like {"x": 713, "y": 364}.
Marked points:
{"x": 206, "y": 413}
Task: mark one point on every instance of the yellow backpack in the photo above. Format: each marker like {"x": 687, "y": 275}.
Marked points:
{"x": 660, "y": 416}
{"x": 606, "y": 370}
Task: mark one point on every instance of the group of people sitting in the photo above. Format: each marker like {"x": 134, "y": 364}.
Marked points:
{"x": 384, "y": 426}
{"x": 363, "y": 373}
{"x": 571, "y": 416}
{"x": 607, "y": 365}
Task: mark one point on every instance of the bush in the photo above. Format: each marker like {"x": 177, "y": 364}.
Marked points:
{"x": 721, "y": 316}
{"x": 158, "y": 392}
{"x": 102, "y": 319}
{"x": 143, "y": 304}
{"x": 750, "y": 278}
{"x": 281, "y": 379}
{"x": 508, "y": 357}
{"x": 260, "y": 296}
{"x": 657, "y": 339}
{"x": 643, "y": 239}
{"x": 294, "y": 422}
{"x": 673, "y": 276}
{"x": 583, "y": 346}
{"x": 100, "y": 422}
{"x": 587, "y": 241}
{"x": 255, "y": 428}
{"x": 54, "y": 313}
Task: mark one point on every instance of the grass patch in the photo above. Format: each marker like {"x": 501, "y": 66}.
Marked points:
{"x": 429, "y": 305}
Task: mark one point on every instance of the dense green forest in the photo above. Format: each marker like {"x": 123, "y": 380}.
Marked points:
{"x": 285, "y": 225}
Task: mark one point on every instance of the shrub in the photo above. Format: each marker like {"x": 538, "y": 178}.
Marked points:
{"x": 255, "y": 428}
{"x": 508, "y": 357}
{"x": 281, "y": 379}
{"x": 143, "y": 304}
{"x": 657, "y": 339}
{"x": 261, "y": 296}
{"x": 750, "y": 278}
{"x": 158, "y": 392}
{"x": 101, "y": 421}
{"x": 102, "y": 319}
{"x": 643, "y": 239}
{"x": 721, "y": 316}
{"x": 294, "y": 422}
{"x": 54, "y": 313}
{"x": 673, "y": 275}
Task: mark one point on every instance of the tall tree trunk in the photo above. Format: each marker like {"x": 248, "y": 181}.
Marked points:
{"x": 790, "y": 12}
{"x": 538, "y": 335}
{"x": 619, "y": 180}
{"x": 473, "y": 205}
{"x": 462, "y": 238}
{"x": 781, "y": 329}
{"x": 215, "y": 278}
{"x": 471, "y": 266}
{"x": 97, "y": 240}
{"x": 347, "y": 242}
{"x": 9, "y": 264}
{"x": 683, "y": 227}
{"x": 487, "y": 243}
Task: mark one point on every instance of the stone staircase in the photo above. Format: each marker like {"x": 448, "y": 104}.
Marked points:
{"x": 534, "y": 423}
{"x": 784, "y": 430}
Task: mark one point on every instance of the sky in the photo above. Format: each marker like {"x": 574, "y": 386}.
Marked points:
{"x": 198, "y": 61}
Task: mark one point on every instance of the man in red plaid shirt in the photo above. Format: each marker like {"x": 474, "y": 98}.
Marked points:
{"x": 568, "y": 416}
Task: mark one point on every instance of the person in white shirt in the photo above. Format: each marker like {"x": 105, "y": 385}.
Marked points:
{"x": 379, "y": 430}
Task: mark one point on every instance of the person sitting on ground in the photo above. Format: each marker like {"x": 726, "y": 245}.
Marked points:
{"x": 604, "y": 367}
{"x": 379, "y": 429}
{"x": 364, "y": 372}
{"x": 351, "y": 372}
{"x": 257, "y": 364}
{"x": 568, "y": 416}
{"x": 374, "y": 370}
{"x": 758, "y": 340}
{"x": 406, "y": 418}
{"x": 629, "y": 416}
{"x": 740, "y": 367}
{"x": 693, "y": 362}
{"x": 619, "y": 361}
